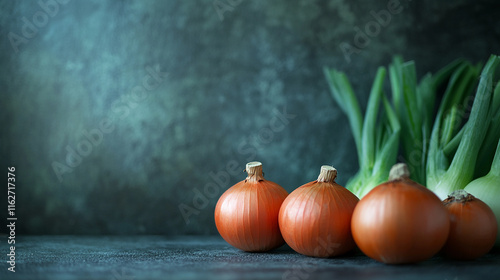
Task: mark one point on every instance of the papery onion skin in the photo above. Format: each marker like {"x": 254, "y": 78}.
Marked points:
{"x": 487, "y": 189}
{"x": 473, "y": 227}
{"x": 315, "y": 219}
{"x": 400, "y": 221}
{"x": 246, "y": 215}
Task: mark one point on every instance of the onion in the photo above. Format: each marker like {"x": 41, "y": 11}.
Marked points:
{"x": 315, "y": 219}
{"x": 473, "y": 227}
{"x": 400, "y": 221}
{"x": 246, "y": 215}
{"x": 487, "y": 188}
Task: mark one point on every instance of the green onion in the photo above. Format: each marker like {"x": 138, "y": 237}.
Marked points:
{"x": 376, "y": 136}
{"x": 444, "y": 177}
{"x": 343, "y": 94}
{"x": 487, "y": 188}
{"x": 414, "y": 105}
{"x": 485, "y": 156}
{"x": 445, "y": 150}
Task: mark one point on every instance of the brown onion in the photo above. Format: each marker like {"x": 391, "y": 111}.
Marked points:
{"x": 315, "y": 219}
{"x": 400, "y": 221}
{"x": 246, "y": 215}
{"x": 473, "y": 227}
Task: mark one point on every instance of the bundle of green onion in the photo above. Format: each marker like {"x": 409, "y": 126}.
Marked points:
{"x": 377, "y": 139}
{"x": 455, "y": 147}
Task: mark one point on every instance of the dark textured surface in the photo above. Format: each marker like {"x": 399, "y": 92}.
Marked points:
{"x": 156, "y": 257}
{"x": 228, "y": 78}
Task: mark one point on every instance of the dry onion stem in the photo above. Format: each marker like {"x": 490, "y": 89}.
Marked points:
{"x": 315, "y": 219}
{"x": 400, "y": 221}
{"x": 473, "y": 227}
{"x": 246, "y": 215}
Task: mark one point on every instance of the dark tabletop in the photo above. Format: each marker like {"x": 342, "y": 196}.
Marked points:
{"x": 159, "y": 257}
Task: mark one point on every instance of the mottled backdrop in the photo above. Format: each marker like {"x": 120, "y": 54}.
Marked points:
{"x": 132, "y": 117}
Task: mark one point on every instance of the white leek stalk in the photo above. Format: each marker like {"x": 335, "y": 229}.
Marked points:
{"x": 487, "y": 189}
{"x": 443, "y": 177}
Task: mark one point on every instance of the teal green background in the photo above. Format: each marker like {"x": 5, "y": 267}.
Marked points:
{"x": 242, "y": 81}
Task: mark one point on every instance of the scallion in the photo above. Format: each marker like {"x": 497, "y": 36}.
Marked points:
{"x": 377, "y": 139}
{"x": 487, "y": 188}
{"x": 444, "y": 177}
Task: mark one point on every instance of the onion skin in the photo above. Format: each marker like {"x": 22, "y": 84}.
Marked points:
{"x": 473, "y": 228}
{"x": 400, "y": 221}
{"x": 487, "y": 189}
{"x": 246, "y": 215}
{"x": 315, "y": 219}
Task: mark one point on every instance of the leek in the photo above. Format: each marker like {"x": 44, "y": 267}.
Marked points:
{"x": 485, "y": 156}
{"x": 377, "y": 139}
{"x": 443, "y": 176}
{"x": 445, "y": 150}
{"x": 414, "y": 106}
{"x": 487, "y": 188}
